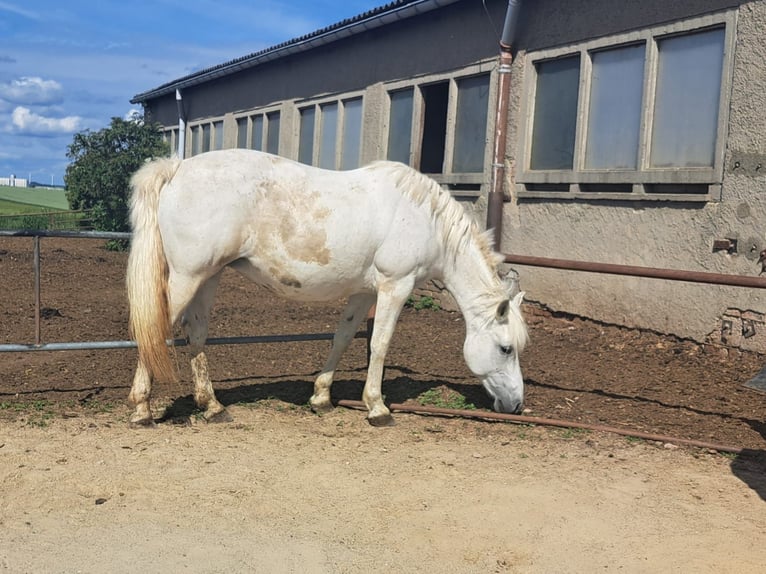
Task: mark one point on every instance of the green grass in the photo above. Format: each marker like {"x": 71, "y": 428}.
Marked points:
{"x": 15, "y": 208}
{"x": 445, "y": 399}
{"x": 424, "y": 302}
{"x": 18, "y": 199}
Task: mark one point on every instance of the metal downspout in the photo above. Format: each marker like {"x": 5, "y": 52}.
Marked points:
{"x": 181, "y": 125}
{"x": 496, "y": 195}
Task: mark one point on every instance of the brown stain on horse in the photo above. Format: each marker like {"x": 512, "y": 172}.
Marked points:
{"x": 293, "y": 223}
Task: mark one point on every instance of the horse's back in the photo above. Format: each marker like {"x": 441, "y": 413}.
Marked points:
{"x": 304, "y": 231}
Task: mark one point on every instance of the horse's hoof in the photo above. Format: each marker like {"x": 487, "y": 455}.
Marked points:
{"x": 142, "y": 423}
{"x": 385, "y": 420}
{"x": 219, "y": 417}
{"x": 322, "y": 408}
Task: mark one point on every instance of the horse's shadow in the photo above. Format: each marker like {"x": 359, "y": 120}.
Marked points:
{"x": 297, "y": 391}
{"x": 750, "y": 467}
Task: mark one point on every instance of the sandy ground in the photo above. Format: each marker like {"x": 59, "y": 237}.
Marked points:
{"x": 283, "y": 490}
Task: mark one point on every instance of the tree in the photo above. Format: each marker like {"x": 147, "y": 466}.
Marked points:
{"x": 98, "y": 179}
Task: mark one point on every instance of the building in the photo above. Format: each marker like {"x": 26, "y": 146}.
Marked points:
{"x": 633, "y": 134}
{"x": 13, "y": 181}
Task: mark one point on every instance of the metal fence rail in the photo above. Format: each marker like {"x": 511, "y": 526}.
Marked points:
{"x": 58, "y": 220}
{"x": 102, "y": 345}
{"x": 593, "y": 267}
{"x": 636, "y": 271}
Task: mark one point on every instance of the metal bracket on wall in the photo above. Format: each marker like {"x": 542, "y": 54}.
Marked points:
{"x": 728, "y": 244}
{"x": 727, "y": 327}
{"x": 748, "y": 328}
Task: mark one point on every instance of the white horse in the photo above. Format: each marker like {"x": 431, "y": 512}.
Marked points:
{"x": 371, "y": 235}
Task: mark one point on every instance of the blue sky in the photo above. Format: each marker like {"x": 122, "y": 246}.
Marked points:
{"x": 67, "y": 66}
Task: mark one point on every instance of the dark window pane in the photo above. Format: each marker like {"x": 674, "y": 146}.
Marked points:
{"x": 328, "y": 135}
{"x": 435, "y": 101}
{"x": 272, "y": 137}
{"x": 400, "y": 126}
{"x": 306, "y": 137}
{"x": 471, "y": 124}
{"x": 687, "y": 99}
{"x": 352, "y": 133}
{"x": 614, "y": 119}
{"x": 242, "y": 132}
{"x": 555, "y": 116}
{"x": 257, "y": 136}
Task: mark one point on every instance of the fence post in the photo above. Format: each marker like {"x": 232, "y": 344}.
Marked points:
{"x": 38, "y": 337}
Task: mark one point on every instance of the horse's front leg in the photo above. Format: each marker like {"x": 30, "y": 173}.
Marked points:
{"x": 391, "y": 299}
{"x": 140, "y": 394}
{"x": 353, "y": 315}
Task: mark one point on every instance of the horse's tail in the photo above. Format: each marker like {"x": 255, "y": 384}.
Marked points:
{"x": 147, "y": 273}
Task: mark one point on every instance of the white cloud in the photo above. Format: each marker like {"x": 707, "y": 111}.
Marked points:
{"x": 26, "y": 121}
{"x": 31, "y": 91}
{"x": 14, "y": 9}
{"x": 133, "y": 115}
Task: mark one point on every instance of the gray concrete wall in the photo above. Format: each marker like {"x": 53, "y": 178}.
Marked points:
{"x": 654, "y": 234}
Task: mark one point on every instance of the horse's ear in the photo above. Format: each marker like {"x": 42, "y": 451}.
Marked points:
{"x": 502, "y": 311}
{"x": 510, "y": 282}
{"x": 519, "y": 298}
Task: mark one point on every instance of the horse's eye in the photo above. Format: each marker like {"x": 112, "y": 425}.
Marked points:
{"x": 506, "y": 350}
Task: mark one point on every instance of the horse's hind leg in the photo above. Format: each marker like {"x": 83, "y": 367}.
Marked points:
{"x": 353, "y": 315}
{"x": 180, "y": 291}
{"x": 195, "y": 325}
{"x": 139, "y": 397}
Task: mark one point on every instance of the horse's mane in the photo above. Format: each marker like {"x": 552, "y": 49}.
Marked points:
{"x": 456, "y": 226}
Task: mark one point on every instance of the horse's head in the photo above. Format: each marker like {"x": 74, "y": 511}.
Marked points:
{"x": 492, "y": 351}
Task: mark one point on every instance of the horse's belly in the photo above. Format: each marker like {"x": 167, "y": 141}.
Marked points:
{"x": 304, "y": 283}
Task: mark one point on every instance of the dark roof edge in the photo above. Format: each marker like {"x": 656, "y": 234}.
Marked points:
{"x": 381, "y": 16}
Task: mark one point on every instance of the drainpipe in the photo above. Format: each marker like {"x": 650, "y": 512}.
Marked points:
{"x": 181, "y": 125}
{"x": 496, "y": 195}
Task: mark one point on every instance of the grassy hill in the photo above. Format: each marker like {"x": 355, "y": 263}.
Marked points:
{"x": 30, "y": 199}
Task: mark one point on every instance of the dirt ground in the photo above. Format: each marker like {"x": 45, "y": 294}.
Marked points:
{"x": 283, "y": 490}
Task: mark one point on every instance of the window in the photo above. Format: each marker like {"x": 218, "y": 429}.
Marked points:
{"x": 217, "y": 135}
{"x": 471, "y": 124}
{"x": 553, "y": 132}
{"x": 641, "y": 115}
{"x": 351, "y": 142}
{"x": 272, "y": 132}
{"x": 441, "y": 127}
{"x": 259, "y": 132}
{"x": 306, "y": 137}
{"x": 205, "y": 140}
{"x": 400, "y": 125}
{"x": 330, "y": 134}
{"x": 242, "y": 125}
{"x": 171, "y": 137}
{"x": 206, "y": 137}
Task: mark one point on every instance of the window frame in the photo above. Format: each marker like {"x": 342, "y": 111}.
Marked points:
{"x": 645, "y": 182}
{"x": 318, "y": 105}
{"x": 211, "y": 131}
{"x": 266, "y": 114}
{"x": 170, "y": 136}
{"x": 467, "y": 183}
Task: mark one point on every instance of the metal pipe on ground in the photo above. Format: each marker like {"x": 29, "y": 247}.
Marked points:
{"x": 523, "y": 419}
